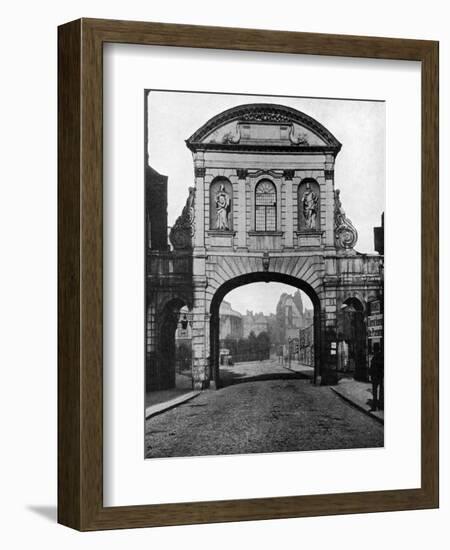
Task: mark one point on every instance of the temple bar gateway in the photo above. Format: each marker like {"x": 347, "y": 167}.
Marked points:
{"x": 263, "y": 207}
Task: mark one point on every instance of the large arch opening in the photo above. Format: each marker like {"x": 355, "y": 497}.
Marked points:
{"x": 300, "y": 342}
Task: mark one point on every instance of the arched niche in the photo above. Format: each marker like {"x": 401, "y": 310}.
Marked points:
{"x": 308, "y": 204}
{"x": 221, "y": 205}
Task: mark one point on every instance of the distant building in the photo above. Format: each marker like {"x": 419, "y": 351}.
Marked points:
{"x": 254, "y": 322}
{"x": 306, "y": 345}
{"x": 291, "y": 316}
{"x": 231, "y": 325}
{"x": 156, "y": 209}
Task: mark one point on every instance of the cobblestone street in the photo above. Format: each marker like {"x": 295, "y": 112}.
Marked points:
{"x": 264, "y": 409}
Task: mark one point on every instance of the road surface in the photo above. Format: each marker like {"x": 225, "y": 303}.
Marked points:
{"x": 264, "y": 409}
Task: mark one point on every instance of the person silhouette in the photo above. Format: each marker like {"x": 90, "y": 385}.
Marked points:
{"x": 376, "y": 373}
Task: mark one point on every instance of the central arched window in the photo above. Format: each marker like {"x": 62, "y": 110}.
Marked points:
{"x": 265, "y": 206}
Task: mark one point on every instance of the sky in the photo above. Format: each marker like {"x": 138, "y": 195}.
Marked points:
{"x": 262, "y": 297}
{"x": 360, "y": 165}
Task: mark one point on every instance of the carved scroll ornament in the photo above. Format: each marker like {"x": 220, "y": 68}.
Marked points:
{"x": 233, "y": 136}
{"x": 182, "y": 232}
{"x": 297, "y": 139}
{"x": 345, "y": 233}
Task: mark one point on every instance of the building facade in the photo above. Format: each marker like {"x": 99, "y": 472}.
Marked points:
{"x": 291, "y": 316}
{"x": 255, "y": 322}
{"x": 231, "y": 324}
{"x": 306, "y": 345}
{"x": 263, "y": 207}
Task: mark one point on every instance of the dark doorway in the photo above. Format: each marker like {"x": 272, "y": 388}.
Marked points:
{"x": 354, "y": 335}
{"x": 171, "y": 365}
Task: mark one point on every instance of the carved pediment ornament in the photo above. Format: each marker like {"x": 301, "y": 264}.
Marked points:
{"x": 345, "y": 233}
{"x": 264, "y": 113}
{"x": 297, "y": 139}
{"x": 271, "y": 173}
{"x": 233, "y": 137}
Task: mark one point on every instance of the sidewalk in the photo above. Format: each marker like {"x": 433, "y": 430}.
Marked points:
{"x": 157, "y": 402}
{"x": 296, "y": 366}
{"x": 159, "y": 408}
{"x": 359, "y": 394}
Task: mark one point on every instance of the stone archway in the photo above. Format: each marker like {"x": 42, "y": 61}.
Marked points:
{"x": 298, "y": 234}
{"x": 256, "y": 277}
{"x": 166, "y": 351}
{"x": 354, "y": 332}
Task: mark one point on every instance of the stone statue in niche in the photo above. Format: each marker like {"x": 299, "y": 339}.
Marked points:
{"x": 310, "y": 202}
{"x": 223, "y": 209}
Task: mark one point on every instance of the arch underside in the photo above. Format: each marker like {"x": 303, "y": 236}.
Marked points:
{"x": 307, "y": 270}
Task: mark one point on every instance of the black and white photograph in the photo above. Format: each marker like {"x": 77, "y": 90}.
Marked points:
{"x": 264, "y": 273}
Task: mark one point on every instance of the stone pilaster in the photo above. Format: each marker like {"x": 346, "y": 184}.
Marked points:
{"x": 328, "y": 201}
{"x": 199, "y": 169}
{"x": 289, "y": 221}
{"x": 329, "y": 338}
{"x": 150, "y": 356}
{"x": 242, "y": 209}
{"x": 151, "y": 328}
{"x": 200, "y": 366}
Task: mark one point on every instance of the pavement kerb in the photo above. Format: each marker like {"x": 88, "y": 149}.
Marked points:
{"x": 163, "y": 407}
{"x": 357, "y": 405}
{"x": 305, "y": 374}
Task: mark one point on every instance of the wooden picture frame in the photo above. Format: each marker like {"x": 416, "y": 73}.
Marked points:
{"x": 80, "y": 271}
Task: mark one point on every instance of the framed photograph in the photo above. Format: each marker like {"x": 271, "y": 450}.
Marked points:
{"x": 248, "y": 274}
